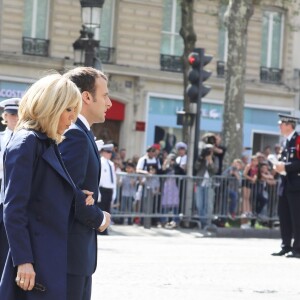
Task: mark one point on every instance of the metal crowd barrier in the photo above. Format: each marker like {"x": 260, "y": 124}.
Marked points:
{"x": 151, "y": 200}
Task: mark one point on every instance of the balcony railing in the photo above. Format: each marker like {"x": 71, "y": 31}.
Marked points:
{"x": 34, "y": 46}
{"x": 271, "y": 75}
{"x": 107, "y": 55}
{"x": 171, "y": 63}
{"x": 221, "y": 68}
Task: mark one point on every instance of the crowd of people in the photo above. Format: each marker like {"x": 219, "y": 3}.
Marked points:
{"x": 242, "y": 190}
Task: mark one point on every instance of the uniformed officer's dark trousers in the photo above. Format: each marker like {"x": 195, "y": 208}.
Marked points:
{"x": 288, "y": 211}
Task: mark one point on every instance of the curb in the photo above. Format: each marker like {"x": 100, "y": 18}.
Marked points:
{"x": 209, "y": 232}
{"x": 244, "y": 233}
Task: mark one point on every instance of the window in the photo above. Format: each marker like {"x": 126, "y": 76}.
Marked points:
{"x": 272, "y": 37}
{"x": 36, "y": 19}
{"x": 223, "y": 42}
{"x": 35, "y": 27}
{"x": 223, "y": 36}
{"x": 171, "y": 47}
{"x": 104, "y": 34}
{"x": 171, "y": 41}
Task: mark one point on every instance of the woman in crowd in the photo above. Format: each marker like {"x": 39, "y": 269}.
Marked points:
{"x": 248, "y": 186}
{"x": 39, "y": 193}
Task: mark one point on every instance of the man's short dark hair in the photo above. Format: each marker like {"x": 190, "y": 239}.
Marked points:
{"x": 85, "y": 77}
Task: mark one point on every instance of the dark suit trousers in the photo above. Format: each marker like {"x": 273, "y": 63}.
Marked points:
{"x": 294, "y": 204}
{"x": 285, "y": 222}
{"x": 3, "y": 242}
{"x": 79, "y": 287}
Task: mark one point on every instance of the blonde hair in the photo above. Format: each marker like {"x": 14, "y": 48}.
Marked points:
{"x": 44, "y": 102}
{"x": 4, "y": 121}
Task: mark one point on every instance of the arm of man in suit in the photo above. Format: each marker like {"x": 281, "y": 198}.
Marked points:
{"x": 90, "y": 215}
{"x": 75, "y": 150}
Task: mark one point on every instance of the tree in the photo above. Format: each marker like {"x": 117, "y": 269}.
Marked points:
{"x": 237, "y": 19}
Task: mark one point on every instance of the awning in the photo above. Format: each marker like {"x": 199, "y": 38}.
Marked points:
{"x": 117, "y": 112}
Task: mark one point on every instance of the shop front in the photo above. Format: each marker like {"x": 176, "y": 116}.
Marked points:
{"x": 260, "y": 124}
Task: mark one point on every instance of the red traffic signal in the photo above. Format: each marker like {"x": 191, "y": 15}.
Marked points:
{"x": 194, "y": 59}
{"x": 197, "y": 75}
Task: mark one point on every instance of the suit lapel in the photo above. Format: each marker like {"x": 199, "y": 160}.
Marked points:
{"x": 51, "y": 157}
{"x": 89, "y": 133}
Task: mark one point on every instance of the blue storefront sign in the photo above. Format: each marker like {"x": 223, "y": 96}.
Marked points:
{"x": 161, "y": 122}
{"x": 9, "y": 89}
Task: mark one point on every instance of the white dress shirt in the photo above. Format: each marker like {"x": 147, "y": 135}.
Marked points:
{"x": 105, "y": 180}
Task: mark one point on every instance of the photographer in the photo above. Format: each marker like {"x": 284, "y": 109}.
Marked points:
{"x": 205, "y": 169}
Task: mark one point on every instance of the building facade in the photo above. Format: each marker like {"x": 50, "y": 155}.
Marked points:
{"x": 140, "y": 49}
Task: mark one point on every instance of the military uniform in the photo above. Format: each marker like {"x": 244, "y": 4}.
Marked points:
{"x": 289, "y": 196}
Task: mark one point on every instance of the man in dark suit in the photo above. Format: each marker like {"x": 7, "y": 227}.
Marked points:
{"x": 80, "y": 155}
{"x": 289, "y": 204}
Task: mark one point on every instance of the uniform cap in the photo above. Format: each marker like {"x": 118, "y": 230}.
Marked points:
{"x": 10, "y": 105}
{"x": 99, "y": 144}
{"x": 283, "y": 118}
{"x": 107, "y": 148}
{"x": 181, "y": 145}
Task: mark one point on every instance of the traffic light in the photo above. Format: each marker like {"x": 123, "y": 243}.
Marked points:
{"x": 197, "y": 75}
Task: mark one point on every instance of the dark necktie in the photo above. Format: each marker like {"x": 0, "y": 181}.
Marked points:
{"x": 111, "y": 174}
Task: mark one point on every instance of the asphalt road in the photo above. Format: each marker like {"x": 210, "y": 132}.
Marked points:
{"x": 140, "y": 264}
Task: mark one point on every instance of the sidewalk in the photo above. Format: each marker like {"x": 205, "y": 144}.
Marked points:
{"x": 218, "y": 232}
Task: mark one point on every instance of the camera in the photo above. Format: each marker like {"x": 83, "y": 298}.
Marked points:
{"x": 206, "y": 151}
{"x": 209, "y": 138}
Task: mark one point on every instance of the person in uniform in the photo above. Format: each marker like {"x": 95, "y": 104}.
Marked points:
{"x": 289, "y": 193}
{"x": 10, "y": 119}
{"x": 108, "y": 180}
{"x": 181, "y": 159}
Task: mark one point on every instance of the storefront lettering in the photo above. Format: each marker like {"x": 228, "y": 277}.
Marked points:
{"x": 8, "y": 93}
{"x": 210, "y": 113}
{"x": 206, "y": 113}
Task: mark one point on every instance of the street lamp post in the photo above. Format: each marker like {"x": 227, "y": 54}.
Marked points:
{"x": 86, "y": 48}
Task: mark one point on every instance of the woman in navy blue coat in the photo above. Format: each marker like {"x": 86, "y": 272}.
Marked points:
{"x": 39, "y": 194}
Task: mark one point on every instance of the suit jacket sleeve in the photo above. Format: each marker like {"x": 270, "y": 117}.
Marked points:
{"x": 74, "y": 151}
